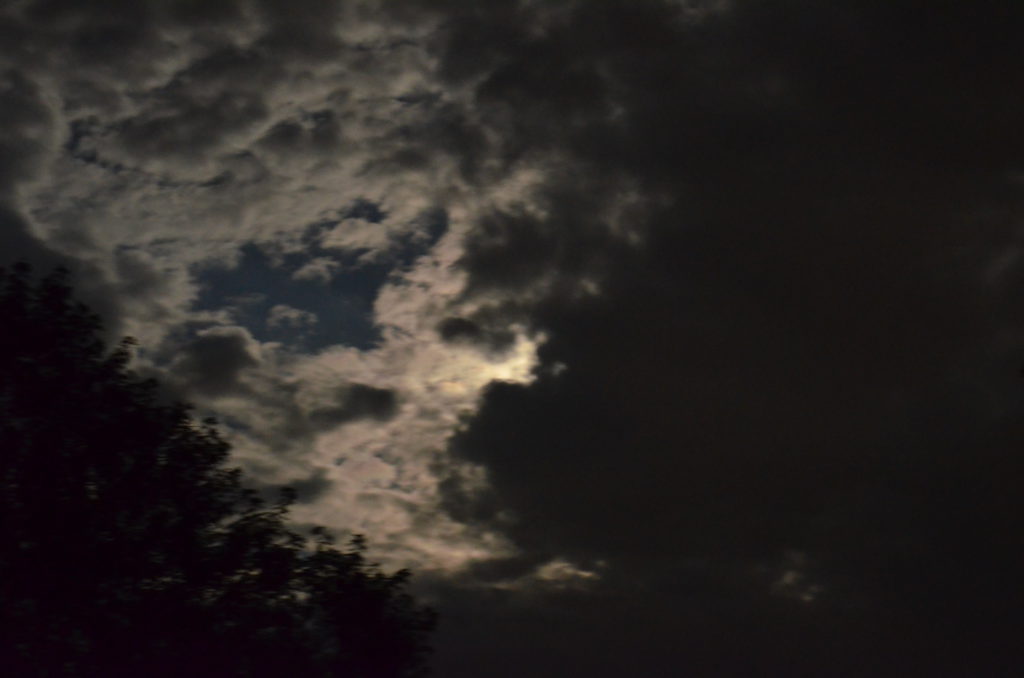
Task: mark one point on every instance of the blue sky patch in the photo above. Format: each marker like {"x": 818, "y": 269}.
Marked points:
{"x": 342, "y": 304}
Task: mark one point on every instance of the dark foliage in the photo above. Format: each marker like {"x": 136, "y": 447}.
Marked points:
{"x": 129, "y": 548}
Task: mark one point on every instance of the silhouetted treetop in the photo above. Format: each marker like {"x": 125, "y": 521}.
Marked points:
{"x": 128, "y": 546}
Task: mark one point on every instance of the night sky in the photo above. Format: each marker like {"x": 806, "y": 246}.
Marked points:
{"x": 671, "y": 338}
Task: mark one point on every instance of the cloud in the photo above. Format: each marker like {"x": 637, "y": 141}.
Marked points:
{"x": 748, "y": 368}
{"x": 315, "y": 133}
{"x": 715, "y": 301}
{"x": 311, "y": 488}
{"x": 212, "y": 364}
{"x": 282, "y": 315}
{"x": 462, "y": 330}
{"x": 357, "y": 401}
{"x": 27, "y": 130}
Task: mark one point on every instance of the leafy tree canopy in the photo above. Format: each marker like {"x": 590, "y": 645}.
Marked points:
{"x": 128, "y": 547}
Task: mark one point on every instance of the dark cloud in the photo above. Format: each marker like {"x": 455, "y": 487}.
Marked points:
{"x": 196, "y": 113}
{"x": 799, "y": 351}
{"x": 362, "y": 401}
{"x": 107, "y": 36}
{"x": 213, "y": 362}
{"x": 25, "y": 130}
{"x": 454, "y": 329}
{"x": 440, "y": 128}
{"x": 464, "y": 330}
{"x": 317, "y": 133}
{"x": 201, "y": 13}
{"x": 189, "y": 127}
{"x": 308, "y": 490}
{"x": 139, "y": 279}
{"x": 677, "y": 630}
{"x": 357, "y": 401}
{"x": 303, "y": 30}
{"x": 27, "y": 139}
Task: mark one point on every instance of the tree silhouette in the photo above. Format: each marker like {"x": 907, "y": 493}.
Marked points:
{"x": 129, "y": 548}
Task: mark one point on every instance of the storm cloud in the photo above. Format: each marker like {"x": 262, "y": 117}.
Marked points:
{"x": 772, "y": 386}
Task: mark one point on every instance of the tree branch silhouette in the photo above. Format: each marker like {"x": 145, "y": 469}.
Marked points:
{"x": 129, "y": 546}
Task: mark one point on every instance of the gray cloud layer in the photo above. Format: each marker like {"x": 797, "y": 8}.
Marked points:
{"x": 785, "y": 420}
